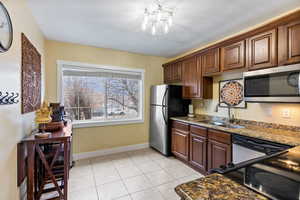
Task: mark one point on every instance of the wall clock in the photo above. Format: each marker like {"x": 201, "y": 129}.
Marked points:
{"x": 6, "y": 31}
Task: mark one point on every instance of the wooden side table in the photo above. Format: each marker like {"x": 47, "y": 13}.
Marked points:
{"x": 62, "y": 139}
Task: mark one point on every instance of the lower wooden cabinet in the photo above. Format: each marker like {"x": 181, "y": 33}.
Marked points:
{"x": 198, "y": 146}
{"x": 201, "y": 148}
{"x": 218, "y": 154}
{"x": 180, "y": 140}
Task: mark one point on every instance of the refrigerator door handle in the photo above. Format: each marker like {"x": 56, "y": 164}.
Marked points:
{"x": 163, "y": 114}
{"x": 164, "y": 107}
{"x": 164, "y": 98}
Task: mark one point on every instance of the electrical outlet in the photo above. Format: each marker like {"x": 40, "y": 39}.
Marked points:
{"x": 269, "y": 112}
{"x": 286, "y": 113}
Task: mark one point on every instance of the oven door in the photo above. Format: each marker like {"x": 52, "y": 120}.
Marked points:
{"x": 280, "y": 84}
{"x": 272, "y": 182}
{"x": 241, "y": 154}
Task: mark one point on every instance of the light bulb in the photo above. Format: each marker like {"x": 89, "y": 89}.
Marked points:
{"x": 170, "y": 21}
{"x": 153, "y": 30}
{"x": 144, "y": 26}
{"x": 166, "y": 28}
{"x": 158, "y": 16}
{"x": 145, "y": 22}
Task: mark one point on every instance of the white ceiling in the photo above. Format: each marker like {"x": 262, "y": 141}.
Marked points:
{"x": 116, "y": 24}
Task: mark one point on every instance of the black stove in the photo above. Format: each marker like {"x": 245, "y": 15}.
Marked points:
{"x": 276, "y": 176}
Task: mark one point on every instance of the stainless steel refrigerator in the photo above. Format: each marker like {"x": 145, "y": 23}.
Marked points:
{"x": 166, "y": 101}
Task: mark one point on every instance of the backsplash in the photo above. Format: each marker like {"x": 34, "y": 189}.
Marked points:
{"x": 277, "y": 113}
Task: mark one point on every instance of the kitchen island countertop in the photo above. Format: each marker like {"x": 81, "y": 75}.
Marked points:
{"x": 216, "y": 187}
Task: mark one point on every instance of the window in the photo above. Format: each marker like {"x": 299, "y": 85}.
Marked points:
{"x": 98, "y": 95}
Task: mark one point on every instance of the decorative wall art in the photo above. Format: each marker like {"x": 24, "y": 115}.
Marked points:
{"x": 31, "y": 77}
{"x": 232, "y": 93}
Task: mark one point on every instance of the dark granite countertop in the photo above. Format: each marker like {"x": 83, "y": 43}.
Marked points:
{"x": 270, "y": 132}
{"x": 216, "y": 187}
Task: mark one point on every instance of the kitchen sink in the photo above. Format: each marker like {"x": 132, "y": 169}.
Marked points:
{"x": 223, "y": 124}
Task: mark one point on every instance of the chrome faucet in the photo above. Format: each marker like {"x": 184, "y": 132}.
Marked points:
{"x": 231, "y": 117}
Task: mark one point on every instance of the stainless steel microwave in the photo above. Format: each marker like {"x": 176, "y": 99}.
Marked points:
{"x": 278, "y": 84}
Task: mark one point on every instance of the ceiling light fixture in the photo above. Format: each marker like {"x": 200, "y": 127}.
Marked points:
{"x": 158, "y": 18}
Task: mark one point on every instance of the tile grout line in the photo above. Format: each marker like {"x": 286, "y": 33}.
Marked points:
{"x": 94, "y": 178}
{"x": 144, "y": 174}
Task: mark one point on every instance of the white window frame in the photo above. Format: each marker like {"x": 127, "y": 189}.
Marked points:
{"x": 61, "y": 65}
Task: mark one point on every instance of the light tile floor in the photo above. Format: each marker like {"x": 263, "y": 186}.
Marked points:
{"x": 136, "y": 175}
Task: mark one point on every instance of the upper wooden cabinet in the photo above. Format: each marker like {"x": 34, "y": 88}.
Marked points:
{"x": 289, "y": 43}
{"x": 276, "y": 43}
{"x": 211, "y": 62}
{"x": 191, "y": 78}
{"x": 172, "y": 72}
{"x": 233, "y": 56}
{"x": 262, "y": 50}
{"x": 194, "y": 85}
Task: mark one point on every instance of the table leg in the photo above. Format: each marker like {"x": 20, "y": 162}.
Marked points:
{"x": 66, "y": 168}
{"x": 30, "y": 170}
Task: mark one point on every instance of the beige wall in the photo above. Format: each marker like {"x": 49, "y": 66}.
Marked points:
{"x": 97, "y": 138}
{"x": 13, "y": 125}
{"x": 266, "y": 112}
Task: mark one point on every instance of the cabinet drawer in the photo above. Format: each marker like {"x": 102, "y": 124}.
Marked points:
{"x": 180, "y": 125}
{"x": 201, "y": 131}
{"x": 219, "y": 136}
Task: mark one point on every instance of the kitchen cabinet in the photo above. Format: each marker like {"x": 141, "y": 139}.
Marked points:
{"x": 219, "y": 149}
{"x": 191, "y": 78}
{"x": 211, "y": 62}
{"x": 233, "y": 56}
{"x": 218, "y": 154}
{"x": 289, "y": 43}
{"x": 172, "y": 72}
{"x": 198, "y": 148}
{"x": 180, "y": 140}
{"x": 194, "y": 85}
{"x": 274, "y": 44}
{"x": 262, "y": 50}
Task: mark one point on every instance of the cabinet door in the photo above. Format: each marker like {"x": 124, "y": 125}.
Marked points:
{"x": 262, "y": 50}
{"x": 172, "y": 72}
{"x": 191, "y": 78}
{"x": 177, "y": 72}
{"x": 166, "y": 73}
{"x": 198, "y": 145}
{"x": 210, "y": 62}
{"x": 233, "y": 56}
{"x": 180, "y": 144}
{"x": 289, "y": 43}
{"x": 218, "y": 154}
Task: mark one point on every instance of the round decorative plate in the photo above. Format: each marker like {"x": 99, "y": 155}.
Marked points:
{"x": 232, "y": 93}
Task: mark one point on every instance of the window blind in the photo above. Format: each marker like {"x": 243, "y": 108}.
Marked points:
{"x": 104, "y": 73}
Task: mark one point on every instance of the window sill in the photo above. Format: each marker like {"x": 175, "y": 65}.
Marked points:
{"x": 87, "y": 124}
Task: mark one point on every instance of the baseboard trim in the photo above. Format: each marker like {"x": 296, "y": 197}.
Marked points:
{"x": 104, "y": 152}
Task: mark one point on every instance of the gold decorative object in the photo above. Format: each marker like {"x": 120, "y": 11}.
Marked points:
{"x": 43, "y": 116}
